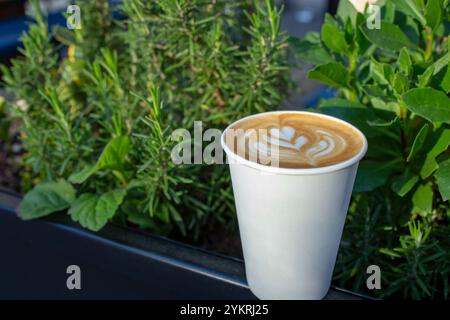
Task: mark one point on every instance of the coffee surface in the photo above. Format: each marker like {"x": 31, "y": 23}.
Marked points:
{"x": 293, "y": 140}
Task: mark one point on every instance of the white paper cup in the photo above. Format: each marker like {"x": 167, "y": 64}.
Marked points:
{"x": 291, "y": 221}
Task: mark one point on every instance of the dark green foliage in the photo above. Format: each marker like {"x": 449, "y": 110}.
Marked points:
{"x": 393, "y": 84}
{"x": 102, "y": 117}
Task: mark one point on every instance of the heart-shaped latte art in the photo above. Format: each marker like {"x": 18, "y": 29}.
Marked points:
{"x": 295, "y": 140}
{"x": 286, "y": 133}
{"x": 283, "y": 137}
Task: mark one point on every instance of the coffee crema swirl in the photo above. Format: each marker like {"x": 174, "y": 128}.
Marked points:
{"x": 295, "y": 140}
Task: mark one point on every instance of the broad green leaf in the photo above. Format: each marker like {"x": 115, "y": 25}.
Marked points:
{"x": 380, "y": 104}
{"x": 83, "y": 210}
{"x": 404, "y": 62}
{"x": 404, "y": 183}
{"x": 441, "y": 63}
{"x": 424, "y": 78}
{"x": 445, "y": 83}
{"x": 400, "y": 83}
{"x": 443, "y": 179}
{"x": 389, "y": 37}
{"x": 380, "y": 72}
{"x": 93, "y": 211}
{"x": 412, "y": 8}
{"x": 418, "y": 141}
{"x": 428, "y": 103}
{"x": 429, "y": 166}
{"x": 46, "y": 198}
{"x": 423, "y": 199}
{"x": 107, "y": 205}
{"x": 433, "y": 14}
{"x": 346, "y": 10}
{"x": 334, "y": 38}
{"x": 441, "y": 144}
{"x": 374, "y": 90}
{"x": 112, "y": 157}
{"x": 83, "y": 175}
{"x": 437, "y": 66}
{"x": 371, "y": 175}
{"x": 333, "y": 74}
{"x": 310, "y": 51}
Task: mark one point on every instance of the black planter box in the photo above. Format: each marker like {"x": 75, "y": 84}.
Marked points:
{"x": 116, "y": 263}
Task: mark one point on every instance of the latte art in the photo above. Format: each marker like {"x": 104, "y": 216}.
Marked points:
{"x": 294, "y": 140}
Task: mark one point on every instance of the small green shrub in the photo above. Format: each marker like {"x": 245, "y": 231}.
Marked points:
{"x": 393, "y": 84}
{"x": 97, "y": 124}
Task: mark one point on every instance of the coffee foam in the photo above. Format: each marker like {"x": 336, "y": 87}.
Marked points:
{"x": 293, "y": 140}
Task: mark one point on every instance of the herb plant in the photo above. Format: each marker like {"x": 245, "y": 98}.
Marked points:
{"x": 392, "y": 82}
{"x": 97, "y": 121}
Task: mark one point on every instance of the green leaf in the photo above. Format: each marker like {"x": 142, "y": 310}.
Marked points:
{"x": 443, "y": 179}
{"x": 383, "y": 123}
{"x": 428, "y": 103}
{"x": 381, "y": 105}
{"x": 46, "y": 198}
{"x": 424, "y": 78}
{"x": 428, "y": 167}
{"x": 311, "y": 51}
{"x": 404, "y": 62}
{"x": 93, "y": 211}
{"x": 441, "y": 63}
{"x": 380, "y": 72}
{"x": 346, "y": 10}
{"x": 430, "y": 164}
{"x": 112, "y": 157}
{"x": 400, "y": 83}
{"x": 371, "y": 175}
{"x": 107, "y": 205}
{"x": 412, "y": 8}
{"x": 445, "y": 83}
{"x": 404, "y": 183}
{"x": 442, "y": 143}
{"x": 433, "y": 14}
{"x": 334, "y": 38}
{"x": 419, "y": 141}
{"x": 83, "y": 175}
{"x": 333, "y": 74}
{"x": 423, "y": 199}
{"x": 389, "y": 37}
{"x": 437, "y": 66}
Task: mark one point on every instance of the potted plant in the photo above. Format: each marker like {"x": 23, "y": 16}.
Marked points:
{"x": 96, "y": 126}
{"x": 390, "y": 66}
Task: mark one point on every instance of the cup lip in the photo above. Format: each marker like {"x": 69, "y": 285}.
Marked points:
{"x": 295, "y": 171}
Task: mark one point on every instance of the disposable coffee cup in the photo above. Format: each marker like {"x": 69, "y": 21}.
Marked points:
{"x": 291, "y": 221}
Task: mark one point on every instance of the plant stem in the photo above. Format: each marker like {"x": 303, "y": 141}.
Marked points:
{"x": 429, "y": 41}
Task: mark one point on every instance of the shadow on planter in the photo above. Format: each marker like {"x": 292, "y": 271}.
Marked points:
{"x": 115, "y": 263}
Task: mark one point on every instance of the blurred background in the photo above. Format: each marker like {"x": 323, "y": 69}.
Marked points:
{"x": 300, "y": 17}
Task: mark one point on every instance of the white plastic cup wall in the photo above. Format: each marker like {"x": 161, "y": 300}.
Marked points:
{"x": 291, "y": 223}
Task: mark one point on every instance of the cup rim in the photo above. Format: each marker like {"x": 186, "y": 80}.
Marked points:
{"x": 295, "y": 171}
